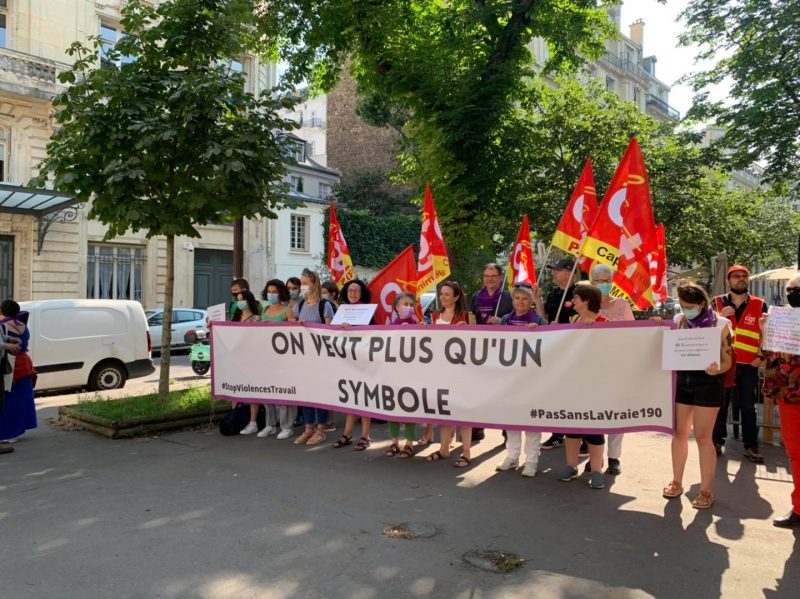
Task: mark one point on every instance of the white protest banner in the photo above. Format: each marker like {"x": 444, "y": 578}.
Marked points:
{"x": 601, "y": 378}
{"x": 357, "y": 314}
{"x": 783, "y": 330}
{"x": 691, "y": 349}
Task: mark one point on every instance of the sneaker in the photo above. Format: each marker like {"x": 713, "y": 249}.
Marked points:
{"x": 718, "y": 448}
{"x": 302, "y": 439}
{"x": 596, "y": 480}
{"x": 267, "y": 431}
{"x": 6, "y": 449}
{"x": 11, "y": 440}
{"x": 317, "y": 438}
{"x": 530, "y": 469}
{"x": 284, "y": 434}
{"x": 478, "y": 434}
{"x": 298, "y": 421}
{"x": 584, "y": 450}
{"x": 330, "y": 427}
{"x": 251, "y": 428}
{"x": 754, "y": 456}
{"x": 587, "y": 468}
{"x": 508, "y": 464}
{"x": 554, "y": 442}
{"x": 614, "y": 467}
{"x": 567, "y": 474}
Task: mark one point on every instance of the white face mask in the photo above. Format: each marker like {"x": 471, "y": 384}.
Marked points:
{"x": 305, "y": 290}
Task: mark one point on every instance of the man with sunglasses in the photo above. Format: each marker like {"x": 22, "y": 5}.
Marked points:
{"x": 744, "y": 311}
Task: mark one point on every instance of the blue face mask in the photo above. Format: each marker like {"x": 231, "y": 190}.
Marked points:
{"x": 241, "y": 304}
{"x": 691, "y": 313}
{"x": 272, "y": 298}
{"x": 605, "y": 288}
{"x": 294, "y": 294}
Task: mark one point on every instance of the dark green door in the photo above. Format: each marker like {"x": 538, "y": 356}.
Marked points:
{"x": 213, "y": 272}
{"x": 6, "y": 267}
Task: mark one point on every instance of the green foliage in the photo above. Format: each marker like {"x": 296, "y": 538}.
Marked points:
{"x": 754, "y": 44}
{"x": 372, "y": 191}
{"x": 170, "y": 139}
{"x": 375, "y": 241}
{"x": 187, "y": 400}
{"x": 458, "y": 67}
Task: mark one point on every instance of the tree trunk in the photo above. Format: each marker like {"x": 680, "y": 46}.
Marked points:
{"x": 166, "y": 335}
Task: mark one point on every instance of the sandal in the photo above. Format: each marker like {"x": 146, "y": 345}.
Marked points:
{"x": 407, "y": 452}
{"x": 392, "y": 451}
{"x": 462, "y": 462}
{"x": 424, "y": 441}
{"x": 672, "y": 490}
{"x": 362, "y": 444}
{"x": 436, "y": 456}
{"x": 343, "y": 440}
{"x": 703, "y": 501}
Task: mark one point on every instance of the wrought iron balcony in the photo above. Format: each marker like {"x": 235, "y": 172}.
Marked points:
{"x": 30, "y": 75}
{"x": 663, "y": 107}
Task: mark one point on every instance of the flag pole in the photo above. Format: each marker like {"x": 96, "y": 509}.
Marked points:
{"x": 546, "y": 258}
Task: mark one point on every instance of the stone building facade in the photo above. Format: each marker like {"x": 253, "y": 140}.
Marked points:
{"x": 63, "y": 254}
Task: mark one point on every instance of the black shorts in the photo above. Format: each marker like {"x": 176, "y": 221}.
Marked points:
{"x": 696, "y": 388}
{"x": 590, "y": 439}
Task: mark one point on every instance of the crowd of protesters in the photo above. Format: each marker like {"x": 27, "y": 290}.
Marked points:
{"x": 702, "y": 397}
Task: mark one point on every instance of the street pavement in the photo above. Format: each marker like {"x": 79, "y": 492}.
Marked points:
{"x": 198, "y": 515}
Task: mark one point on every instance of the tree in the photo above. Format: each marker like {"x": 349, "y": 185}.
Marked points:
{"x": 755, "y": 44}
{"x": 372, "y": 191}
{"x": 170, "y": 139}
{"x": 457, "y": 67}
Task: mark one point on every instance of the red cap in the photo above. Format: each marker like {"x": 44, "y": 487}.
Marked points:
{"x": 737, "y": 268}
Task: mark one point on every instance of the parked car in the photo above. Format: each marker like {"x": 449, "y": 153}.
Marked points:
{"x": 183, "y": 321}
{"x": 98, "y": 344}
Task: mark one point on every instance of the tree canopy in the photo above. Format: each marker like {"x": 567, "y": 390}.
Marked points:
{"x": 755, "y": 45}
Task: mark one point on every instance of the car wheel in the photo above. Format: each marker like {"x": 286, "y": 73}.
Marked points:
{"x": 106, "y": 376}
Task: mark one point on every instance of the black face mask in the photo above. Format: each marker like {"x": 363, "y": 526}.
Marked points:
{"x": 793, "y": 297}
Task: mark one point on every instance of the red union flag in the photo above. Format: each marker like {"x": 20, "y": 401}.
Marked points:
{"x": 339, "y": 262}
{"x": 579, "y": 215}
{"x": 624, "y": 233}
{"x": 399, "y": 276}
{"x": 658, "y": 265}
{"x": 521, "y": 268}
{"x": 434, "y": 266}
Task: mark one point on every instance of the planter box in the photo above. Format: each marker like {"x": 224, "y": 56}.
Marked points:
{"x": 136, "y": 427}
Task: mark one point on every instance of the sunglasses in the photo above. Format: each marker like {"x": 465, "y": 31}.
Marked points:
{"x": 523, "y": 286}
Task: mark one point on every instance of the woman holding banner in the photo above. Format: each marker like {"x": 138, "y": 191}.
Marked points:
{"x": 586, "y": 302}
{"x": 355, "y": 292}
{"x": 615, "y": 309}
{"x": 698, "y": 397}
{"x": 312, "y": 308}
{"x": 454, "y": 313}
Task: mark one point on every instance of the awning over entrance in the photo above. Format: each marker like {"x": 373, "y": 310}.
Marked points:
{"x": 45, "y": 205}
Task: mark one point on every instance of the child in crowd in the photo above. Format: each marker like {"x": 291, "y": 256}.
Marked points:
{"x": 524, "y": 315}
{"x": 405, "y": 313}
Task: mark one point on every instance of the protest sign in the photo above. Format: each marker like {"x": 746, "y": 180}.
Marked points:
{"x": 358, "y": 314}
{"x": 603, "y": 378}
{"x": 691, "y": 349}
{"x": 783, "y": 330}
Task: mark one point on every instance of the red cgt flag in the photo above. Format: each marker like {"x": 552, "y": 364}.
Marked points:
{"x": 624, "y": 233}
{"x": 521, "y": 266}
{"x": 399, "y": 276}
{"x": 434, "y": 266}
{"x": 339, "y": 262}
{"x": 579, "y": 215}
{"x": 658, "y": 266}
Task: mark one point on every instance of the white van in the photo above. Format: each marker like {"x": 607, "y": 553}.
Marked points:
{"x": 97, "y": 344}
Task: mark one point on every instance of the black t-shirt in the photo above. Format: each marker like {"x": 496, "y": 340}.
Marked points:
{"x": 552, "y": 302}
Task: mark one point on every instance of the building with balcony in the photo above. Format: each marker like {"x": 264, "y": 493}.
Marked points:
{"x": 49, "y": 248}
